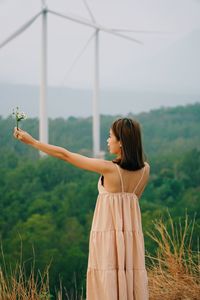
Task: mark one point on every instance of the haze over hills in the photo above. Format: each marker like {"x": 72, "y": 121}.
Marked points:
{"x": 169, "y": 79}
{"x": 65, "y": 102}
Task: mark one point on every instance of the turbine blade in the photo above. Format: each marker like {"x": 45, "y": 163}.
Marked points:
{"x": 89, "y": 11}
{"x": 78, "y": 56}
{"x": 140, "y": 31}
{"x": 44, "y": 3}
{"x": 121, "y": 35}
{"x": 95, "y": 26}
{"x": 20, "y": 30}
{"x": 73, "y": 18}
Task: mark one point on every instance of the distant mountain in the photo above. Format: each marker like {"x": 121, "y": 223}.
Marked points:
{"x": 65, "y": 102}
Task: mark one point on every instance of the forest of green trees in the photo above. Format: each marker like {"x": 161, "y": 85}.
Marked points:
{"x": 47, "y": 205}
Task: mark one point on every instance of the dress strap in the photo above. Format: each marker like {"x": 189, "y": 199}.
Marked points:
{"x": 140, "y": 179}
{"x": 120, "y": 175}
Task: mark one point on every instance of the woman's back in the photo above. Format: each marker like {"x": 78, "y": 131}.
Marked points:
{"x": 121, "y": 180}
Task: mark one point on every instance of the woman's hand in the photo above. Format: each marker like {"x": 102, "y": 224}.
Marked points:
{"x": 23, "y": 136}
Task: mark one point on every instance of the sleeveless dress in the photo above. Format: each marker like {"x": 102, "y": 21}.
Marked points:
{"x": 116, "y": 262}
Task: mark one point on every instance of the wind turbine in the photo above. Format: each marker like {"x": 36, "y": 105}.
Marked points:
{"x": 95, "y": 106}
{"x": 43, "y": 120}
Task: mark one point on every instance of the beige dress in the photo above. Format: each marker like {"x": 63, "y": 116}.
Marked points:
{"x": 116, "y": 262}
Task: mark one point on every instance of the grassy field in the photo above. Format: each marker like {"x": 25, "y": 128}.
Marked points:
{"x": 173, "y": 273}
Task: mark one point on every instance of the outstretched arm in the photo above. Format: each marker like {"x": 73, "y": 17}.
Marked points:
{"x": 96, "y": 165}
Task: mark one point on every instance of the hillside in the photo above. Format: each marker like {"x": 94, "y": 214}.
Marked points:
{"x": 165, "y": 131}
{"x": 65, "y": 102}
{"x": 48, "y": 204}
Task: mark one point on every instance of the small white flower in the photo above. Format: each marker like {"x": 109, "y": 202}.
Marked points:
{"x": 19, "y": 115}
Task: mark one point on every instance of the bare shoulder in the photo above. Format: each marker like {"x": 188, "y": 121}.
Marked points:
{"x": 109, "y": 166}
{"x": 147, "y": 166}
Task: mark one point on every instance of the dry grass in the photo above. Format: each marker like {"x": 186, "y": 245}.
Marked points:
{"x": 19, "y": 287}
{"x": 173, "y": 273}
{"x": 15, "y": 285}
{"x": 72, "y": 295}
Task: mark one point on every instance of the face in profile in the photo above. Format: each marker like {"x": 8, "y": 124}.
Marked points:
{"x": 113, "y": 144}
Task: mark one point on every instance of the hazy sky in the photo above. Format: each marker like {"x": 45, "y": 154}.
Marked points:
{"x": 20, "y": 59}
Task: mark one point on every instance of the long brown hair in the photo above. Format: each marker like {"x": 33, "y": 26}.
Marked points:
{"x": 128, "y": 132}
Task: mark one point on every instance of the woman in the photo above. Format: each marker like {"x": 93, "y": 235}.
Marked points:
{"x": 116, "y": 262}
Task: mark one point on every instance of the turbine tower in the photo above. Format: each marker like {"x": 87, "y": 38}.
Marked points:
{"x": 96, "y": 94}
{"x": 96, "y": 115}
{"x": 43, "y": 119}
